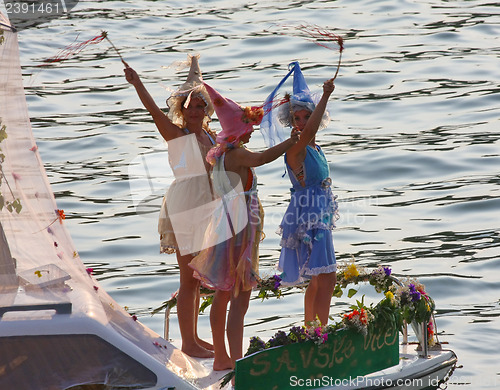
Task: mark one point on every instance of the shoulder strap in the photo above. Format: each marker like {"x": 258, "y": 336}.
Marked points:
{"x": 209, "y": 136}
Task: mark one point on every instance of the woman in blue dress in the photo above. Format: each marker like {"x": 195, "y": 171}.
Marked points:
{"x": 307, "y": 244}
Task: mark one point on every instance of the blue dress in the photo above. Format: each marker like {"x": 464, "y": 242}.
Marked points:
{"x": 306, "y": 228}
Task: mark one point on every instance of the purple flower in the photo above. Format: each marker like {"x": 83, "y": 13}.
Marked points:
{"x": 258, "y": 341}
{"x": 277, "y": 282}
{"x": 256, "y": 344}
{"x": 298, "y": 333}
{"x": 415, "y": 295}
{"x": 280, "y": 338}
{"x": 387, "y": 271}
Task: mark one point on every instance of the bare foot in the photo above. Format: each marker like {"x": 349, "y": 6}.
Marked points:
{"x": 198, "y": 352}
{"x": 205, "y": 344}
{"x": 224, "y": 363}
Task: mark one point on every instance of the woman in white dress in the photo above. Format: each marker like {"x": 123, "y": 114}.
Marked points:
{"x": 189, "y": 138}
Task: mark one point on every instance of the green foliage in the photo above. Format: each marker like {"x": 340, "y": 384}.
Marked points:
{"x": 172, "y": 302}
{"x": 386, "y": 314}
{"x": 3, "y": 132}
{"x": 207, "y": 301}
{"x": 227, "y": 378}
{"x": 351, "y": 292}
{"x": 206, "y": 293}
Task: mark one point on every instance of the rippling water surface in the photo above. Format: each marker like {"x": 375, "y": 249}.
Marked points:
{"x": 413, "y": 145}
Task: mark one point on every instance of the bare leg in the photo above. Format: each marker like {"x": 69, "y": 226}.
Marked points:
{"x": 218, "y": 314}
{"x": 235, "y": 322}
{"x": 309, "y": 301}
{"x": 199, "y": 341}
{"x": 187, "y": 298}
{"x": 323, "y": 285}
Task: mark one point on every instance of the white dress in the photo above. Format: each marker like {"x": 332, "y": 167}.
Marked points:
{"x": 188, "y": 203}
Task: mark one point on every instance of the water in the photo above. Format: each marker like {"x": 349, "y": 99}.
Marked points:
{"x": 413, "y": 145}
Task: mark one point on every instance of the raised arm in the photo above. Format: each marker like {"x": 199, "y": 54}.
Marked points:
{"x": 245, "y": 158}
{"x": 314, "y": 120}
{"x": 167, "y": 129}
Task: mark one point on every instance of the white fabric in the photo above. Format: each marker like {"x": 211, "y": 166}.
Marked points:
{"x": 95, "y": 341}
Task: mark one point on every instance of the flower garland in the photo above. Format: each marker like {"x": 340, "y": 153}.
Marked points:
{"x": 206, "y": 293}
{"x": 407, "y": 302}
{"x": 416, "y": 304}
{"x": 271, "y": 284}
{"x": 403, "y": 302}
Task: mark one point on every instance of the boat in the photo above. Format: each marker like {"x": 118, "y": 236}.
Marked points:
{"x": 361, "y": 351}
{"x": 59, "y": 329}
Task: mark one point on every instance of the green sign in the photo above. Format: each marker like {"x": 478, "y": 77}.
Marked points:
{"x": 346, "y": 355}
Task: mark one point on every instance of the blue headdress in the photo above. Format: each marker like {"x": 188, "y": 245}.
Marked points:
{"x": 277, "y": 118}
